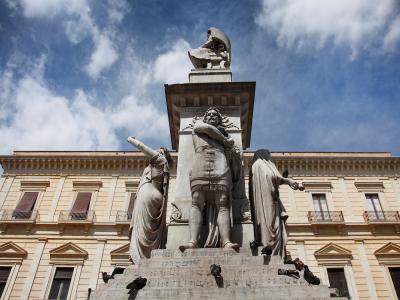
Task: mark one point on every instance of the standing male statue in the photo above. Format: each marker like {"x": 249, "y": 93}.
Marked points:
{"x": 211, "y": 182}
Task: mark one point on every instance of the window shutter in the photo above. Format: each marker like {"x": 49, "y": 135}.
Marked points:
{"x": 82, "y": 202}
{"x": 4, "y": 273}
{"x": 337, "y": 279}
{"x": 65, "y": 273}
{"x": 27, "y": 202}
{"x": 131, "y": 204}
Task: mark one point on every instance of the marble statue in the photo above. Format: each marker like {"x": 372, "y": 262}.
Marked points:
{"x": 268, "y": 213}
{"x": 215, "y": 53}
{"x": 147, "y": 226}
{"x": 211, "y": 182}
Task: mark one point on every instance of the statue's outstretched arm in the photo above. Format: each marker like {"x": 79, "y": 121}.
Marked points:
{"x": 293, "y": 184}
{"x": 212, "y": 132}
{"x": 142, "y": 147}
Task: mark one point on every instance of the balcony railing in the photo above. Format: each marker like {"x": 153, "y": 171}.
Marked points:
{"x": 123, "y": 216}
{"x": 67, "y": 216}
{"x": 382, "y": 216}
{"x": 18, "y": 216}
{"x": 325, "y": 217}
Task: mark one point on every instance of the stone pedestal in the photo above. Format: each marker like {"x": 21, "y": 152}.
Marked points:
{"x": 172, "y": 274}
{"x": 207, "y": 87}
{"x": 210, "y": 75}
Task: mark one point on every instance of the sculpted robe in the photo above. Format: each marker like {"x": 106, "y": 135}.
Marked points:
{"x": 148, "y": 218}
{"x": 269, "y": 215}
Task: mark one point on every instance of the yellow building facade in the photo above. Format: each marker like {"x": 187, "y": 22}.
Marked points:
{"x": 65, "y": 216}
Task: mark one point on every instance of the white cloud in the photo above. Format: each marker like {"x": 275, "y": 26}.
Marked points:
{"x": 43, "y": 8}
{"x": 36, "y": 118}
{"x": 117, "y": 10}
{"x": 392, "y": 39}
{"x": 357, "y": 24}
{"x": 174, "y": 65}
{"x": 79, "y": 24}
{"x": 102, "y": 58}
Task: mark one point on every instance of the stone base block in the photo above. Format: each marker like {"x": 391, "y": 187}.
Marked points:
{"x": 210, "y": 75}
{"x": 172, "y": 274}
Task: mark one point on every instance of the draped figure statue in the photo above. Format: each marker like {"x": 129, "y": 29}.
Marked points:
{"x": 268, "y": 213}
{"x": 147, "y": 226}
{"x": 215, "y": 53}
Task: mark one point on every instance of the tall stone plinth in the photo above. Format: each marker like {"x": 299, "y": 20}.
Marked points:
{"x": 185, "y": 103}
{"x": 172, "y": 274}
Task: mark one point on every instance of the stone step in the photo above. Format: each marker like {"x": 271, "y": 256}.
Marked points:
{"x": 175, "y": 253}
{"x": 276, "y": 293}
{"x": 226, "y": 271}
{"x": 237, "y": 260}
{"x": 194, "y": 280}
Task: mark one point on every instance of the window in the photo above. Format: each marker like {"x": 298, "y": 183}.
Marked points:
{"x": 321, "y": 206}
{"x": 4, "y": 273}
{"x": 337, "y": 280}
{"x": 374, "y": 205}
{"x": 61, "y": 283}
{"x": 395, "y": 275}
{"x": 131, "y": 203}
{"x": 25, "y": 206}
{"x": 81, "y": 206}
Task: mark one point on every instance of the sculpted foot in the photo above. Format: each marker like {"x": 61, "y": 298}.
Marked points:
{"x": 231, "y": 245}
{"x": 189, "y": 245}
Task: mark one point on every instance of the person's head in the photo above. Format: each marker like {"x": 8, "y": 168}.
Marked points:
{"x": 165, "y": 152}
{"x": 213, "y": 117}
{"x": 262, "y": 154}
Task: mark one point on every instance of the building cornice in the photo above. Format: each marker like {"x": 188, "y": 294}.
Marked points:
{"x": 298, "y": 163}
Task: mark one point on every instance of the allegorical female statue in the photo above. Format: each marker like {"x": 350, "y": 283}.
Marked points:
{"x": 215, "y": 53}
{"x": 147, "y": 227}
{"x": 268, "y": 213}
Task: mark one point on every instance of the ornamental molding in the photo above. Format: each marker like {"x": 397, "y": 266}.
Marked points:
{"x": 333, "y": 254}
{"x": 132, "y": 185}
{"x": 34, "y": 185}
{"x": 86, "y": 185}
{"x": 369, "y": 186}
{"x": 111, "y": 163}
{"x": 317, "y": 186}
{"x": 120, "y": 256}
{"x": 388, "y": 254}
{"x": 68, "y": 253}
{"x": 12, "y": 253}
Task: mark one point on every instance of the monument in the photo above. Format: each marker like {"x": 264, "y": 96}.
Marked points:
{"x": 216, "y": 244}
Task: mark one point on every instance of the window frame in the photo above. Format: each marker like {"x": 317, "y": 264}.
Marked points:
{"x": 74, "y": 280}
{"x": 379, "y": 195}
{"x": 130, "y": 193}
{"x": 321, "y": 211}
{"x": 348, "y": 274}
{"x": 91, "y": 203}
{"x": 345, "y": 277}
{"x": 11, "y": 278}
{"x": 37, "y": 202}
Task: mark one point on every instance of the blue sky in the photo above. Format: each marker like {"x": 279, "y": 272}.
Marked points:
{"x": 83, "y": 75}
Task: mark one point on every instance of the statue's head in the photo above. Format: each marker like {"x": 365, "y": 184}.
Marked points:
{"x": 262, "y": 154}
{"x": 165, "y": 152}
{"x": 213, "y": 117}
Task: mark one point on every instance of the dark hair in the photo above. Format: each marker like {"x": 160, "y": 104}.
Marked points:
{"x": 262, "y": 154}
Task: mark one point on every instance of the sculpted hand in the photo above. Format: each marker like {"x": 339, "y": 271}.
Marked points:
{"x": 293, "y": 184}
{"x": 229, "y": 142}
